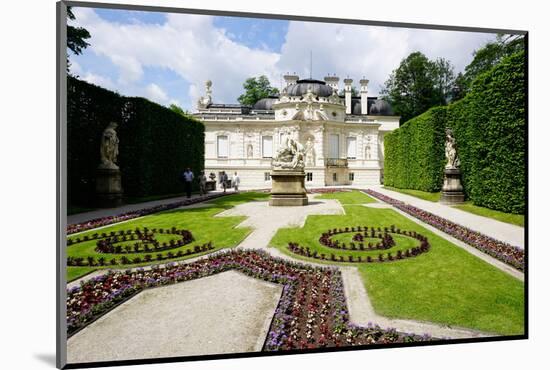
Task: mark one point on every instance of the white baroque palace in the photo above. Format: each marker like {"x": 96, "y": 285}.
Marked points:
{"x": 343, "y": 135}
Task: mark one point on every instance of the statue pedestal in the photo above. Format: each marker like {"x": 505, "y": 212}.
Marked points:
{"x": 452, "y": 191}
{"x": 288, "y": 188}
{"x": 108, "y": 187}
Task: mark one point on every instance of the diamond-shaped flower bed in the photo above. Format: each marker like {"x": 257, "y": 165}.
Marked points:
{"x": 312, "y": 311}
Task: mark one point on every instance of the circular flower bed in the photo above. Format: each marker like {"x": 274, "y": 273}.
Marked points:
{"x": 312, "y": 311}
{"x": 140, "y": 242}
{"x": 145, "y": 241}
{"x": 363, "y": 240}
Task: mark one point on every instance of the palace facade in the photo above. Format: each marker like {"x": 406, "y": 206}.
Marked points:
{"x": 343, "y": 135}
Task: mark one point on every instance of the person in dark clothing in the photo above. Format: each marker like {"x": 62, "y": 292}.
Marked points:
{"x": 188, "y": 181}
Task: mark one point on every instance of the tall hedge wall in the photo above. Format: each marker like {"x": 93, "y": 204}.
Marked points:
{"x": 415, "y": 153}
{"x": 490, "y": 130}
{"x": 489, "y": 126}
{"x": 156, "y": 144}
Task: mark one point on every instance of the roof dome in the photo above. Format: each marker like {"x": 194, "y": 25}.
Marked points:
{"x": 319, "y": 88}
{"x": 265, "y": 103}
{"x": 381, "y": 108}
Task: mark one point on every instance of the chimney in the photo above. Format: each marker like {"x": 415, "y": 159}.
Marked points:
{"x": 332, "y": 81}
{"x": 290, "y": 79}
{"x": 347, "y": 93}
{"x": 364, "y": 100}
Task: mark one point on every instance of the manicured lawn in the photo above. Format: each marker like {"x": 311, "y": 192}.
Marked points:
{"x": 432, "y": 197}
{"x": 201, "y": 222}
{"x": 445, "y": 285}
{"x": 497, "y": 215}
{"x": 348, "y": 197}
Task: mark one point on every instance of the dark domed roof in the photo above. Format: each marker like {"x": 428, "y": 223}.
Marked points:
{"x": 381, "y": 108}
{"x": 375, "y": 106}
{"x": 265, "y": 103}
{"x": 319, "y": 88}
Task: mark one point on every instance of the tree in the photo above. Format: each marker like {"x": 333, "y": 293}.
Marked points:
{"x": 256, "y": 88}
{"x": 418, "y": 84}
{"x": 179, "y": 110}
{"x": 486, "y": 58}
{"x": 76, "y": 37}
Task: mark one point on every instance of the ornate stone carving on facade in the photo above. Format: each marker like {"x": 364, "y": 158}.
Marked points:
{"x": 310, "y": 113}
{"x": 204, "y": 101}
{"x": 283, "y": 98}
{"x": 309, "y": 151}
{"x": 290, "y": 155}
{"x": 450, "y": 150}
{"x": 367, "y": 151}
{"x": 334, "y": 98}
{"x": 108, "y": 149}
{"x": 249, "y": 151}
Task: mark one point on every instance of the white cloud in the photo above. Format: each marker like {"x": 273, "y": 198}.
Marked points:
{"x": 189, "y": 45}
{"x": 194, "y": 49}
{"x": 155, "y": 93}
{"x": 99, "y": 80}
{"x": 373, "y": 52}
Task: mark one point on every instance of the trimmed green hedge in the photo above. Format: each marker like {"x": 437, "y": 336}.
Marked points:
{"x": 415, "y": 153}
{"x": 156, "y": 144}
{"x": 489, "y": 127}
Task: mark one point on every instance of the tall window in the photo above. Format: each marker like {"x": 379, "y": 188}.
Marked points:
{"x": 267, "y": 176}
{"x": 334, "y": 146}
{"x": 267, "y": 146}
{"x": 352, "y": 147}
{"x": 309, "y": 176}
{"x": 223, "y": 146}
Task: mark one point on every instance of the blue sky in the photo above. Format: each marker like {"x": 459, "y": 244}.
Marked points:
{"x": 168, "y": 57}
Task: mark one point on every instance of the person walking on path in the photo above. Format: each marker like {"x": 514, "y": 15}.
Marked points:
{"x": 223, "y": 180}
{"x": 188, "y": 181}
{"x": 236, "y": 182}
{"x": 202, "y": 183}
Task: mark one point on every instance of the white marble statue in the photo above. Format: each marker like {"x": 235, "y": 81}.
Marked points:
{"x": 290, "y": 155}
{"x": 108, "y": 149}
{"x": 204, "y": 101}
{"x": 309, "y": 152}
{"x": 450, "y": 151}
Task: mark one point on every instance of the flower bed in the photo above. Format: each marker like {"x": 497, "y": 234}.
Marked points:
{"x": 358, "y": 245}
{"x": 326, "y": 190}
{"x": 108, "y": 220}
{"x": 504, "y": 252}
{"x": 312, "y": 311}
{"x": 118, "y": 243}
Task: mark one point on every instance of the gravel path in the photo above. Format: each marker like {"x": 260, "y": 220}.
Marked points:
{"x": 224, "y": 313}
{"x": 512, "y": 234}
{"x": 104, "y": 212}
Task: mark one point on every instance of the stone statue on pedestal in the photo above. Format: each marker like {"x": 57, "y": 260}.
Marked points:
{"x": 450, "y": 150}
{"x": 287, "y": 175}
{"x": 204, "y": 101}
{"x": 108, "y": 149}
{"x": 290, "y": 155}
{"x": 452, "y": 191}
{"x": 108, "y": 179}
